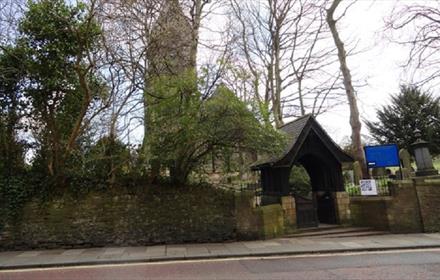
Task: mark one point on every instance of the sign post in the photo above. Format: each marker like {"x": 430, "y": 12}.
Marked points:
{"x": 378, "y": 157}
{"x": 382, "y": 156}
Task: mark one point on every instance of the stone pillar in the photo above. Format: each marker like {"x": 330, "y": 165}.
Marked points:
{"x": 342, "y": 201}
{"x": 424, "y": 163}
{"x": 289, "y": 209}
{"x": 403, "y": 210}
{"x": 248, "y": 222}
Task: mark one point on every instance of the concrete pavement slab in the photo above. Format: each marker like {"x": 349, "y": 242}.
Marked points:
{"x": 73, "y": 252}
{"x": 281, "y": 246}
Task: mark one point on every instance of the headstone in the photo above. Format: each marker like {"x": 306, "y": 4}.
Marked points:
{"x": 405, "y": 174}
{"x": 405, "y": 158}
{"x": 379, "y": 172}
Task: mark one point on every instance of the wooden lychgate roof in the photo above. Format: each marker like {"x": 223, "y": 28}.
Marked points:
{"x": 297, "y": 132}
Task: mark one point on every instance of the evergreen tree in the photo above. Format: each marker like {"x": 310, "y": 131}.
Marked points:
{"x": 411, "y": 109}
{"x": 58, "y": 41}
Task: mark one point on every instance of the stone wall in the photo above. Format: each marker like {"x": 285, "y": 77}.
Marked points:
{"x": 272, "y": 221}
{"x": 370, "y": 212}
{"x": 155, "y": 216}
{"x": 403, "y": 209}
{"x": 248, "y": 221}
{"x": 412, "y": 207}
{"x": 160, "y": 215}
{"x": 428, "y": 192}
{"x": 289, "y": 212}
{"x": 342, "y": 202}
{"x": 263, "y": 222}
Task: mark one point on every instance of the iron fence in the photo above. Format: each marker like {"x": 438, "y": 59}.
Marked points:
{"x": 248, "y": 187}
{"x": 382, "y": 184}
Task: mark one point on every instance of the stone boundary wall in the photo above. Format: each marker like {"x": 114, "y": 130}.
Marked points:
{"x": 105, "y": 219}
{"x": 370, "y": 212}
{"x": 342, "y": 204}
{"x": 428, "y": 193}
{"x": 403, "y": 209}
{"x": 414, "y": 206}
{"x": 263, "y": 222}
{"x": 168, "y": 217}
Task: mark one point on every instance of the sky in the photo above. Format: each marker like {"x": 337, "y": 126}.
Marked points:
{"x": 376, "y": 64}
{"x": 379, "y": 63}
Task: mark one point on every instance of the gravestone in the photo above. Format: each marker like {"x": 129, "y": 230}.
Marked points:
{"x": 405, "y": 159}
{"x": 379, "y": 172}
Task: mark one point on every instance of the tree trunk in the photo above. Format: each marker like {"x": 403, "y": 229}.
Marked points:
{"x": 349, "y": 90}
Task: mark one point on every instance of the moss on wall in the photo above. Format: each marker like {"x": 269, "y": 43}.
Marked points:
{"x": 272, "y": 221}
{"x": 155, "y": 215}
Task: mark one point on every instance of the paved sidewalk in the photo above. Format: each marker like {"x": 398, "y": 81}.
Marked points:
{"x": 273, "y": 247}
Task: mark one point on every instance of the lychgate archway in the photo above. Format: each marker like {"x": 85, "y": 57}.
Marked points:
{"x": 311, "y": 147}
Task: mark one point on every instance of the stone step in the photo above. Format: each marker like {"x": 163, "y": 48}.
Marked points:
{"x": 321, "y": 227}
{"x": 331, "y": 231}
{"x": 353, "y": 234}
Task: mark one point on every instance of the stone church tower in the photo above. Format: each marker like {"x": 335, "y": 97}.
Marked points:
{"x": 170, "y": 48}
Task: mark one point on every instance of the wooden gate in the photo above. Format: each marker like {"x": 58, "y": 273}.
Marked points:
{"x": 306, "y": 215}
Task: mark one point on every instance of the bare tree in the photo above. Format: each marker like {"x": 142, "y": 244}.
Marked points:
{"x": 355, "y": 122}
{"x": 284, "y": 47}
{"x": 418, "y": 27}
{"x": 10, "y": 13}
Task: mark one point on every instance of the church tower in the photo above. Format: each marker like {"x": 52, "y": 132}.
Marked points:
{"x": 169, "y": 51}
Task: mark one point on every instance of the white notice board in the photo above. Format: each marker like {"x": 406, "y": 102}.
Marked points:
{"x": 368, "y": 187}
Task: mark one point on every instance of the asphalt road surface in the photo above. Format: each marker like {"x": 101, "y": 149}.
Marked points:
{"x": 399, "y": 265}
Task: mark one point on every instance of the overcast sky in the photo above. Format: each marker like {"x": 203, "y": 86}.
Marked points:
{"x": 377, "y": 65}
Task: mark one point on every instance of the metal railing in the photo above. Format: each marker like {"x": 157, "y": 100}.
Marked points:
{"x": 245, "y": 187}
{"x": 382, "y": 184}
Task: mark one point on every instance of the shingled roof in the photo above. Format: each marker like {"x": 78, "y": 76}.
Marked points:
{"x": 296, "y": 132}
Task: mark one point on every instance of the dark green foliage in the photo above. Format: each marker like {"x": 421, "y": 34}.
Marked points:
{"x": 184, "y": 128}
{"x": 299, "y": 181}
{"x": 56, "y": 39}
{"x": 108, "y": 160}
{"x": 12, "y": 110}
{"x": 411, "y": 109}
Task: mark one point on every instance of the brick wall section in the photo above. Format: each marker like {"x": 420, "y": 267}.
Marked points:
{"x": 370, "y": 212}
{"x": 428, "y": 191}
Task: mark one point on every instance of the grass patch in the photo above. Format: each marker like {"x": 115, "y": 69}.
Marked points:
{"x": 437, "y": 163}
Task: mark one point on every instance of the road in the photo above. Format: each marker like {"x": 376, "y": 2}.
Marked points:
{"x": 399, "y": 265}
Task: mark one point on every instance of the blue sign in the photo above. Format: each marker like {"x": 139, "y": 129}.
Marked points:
{"x": 382, "y": 156}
